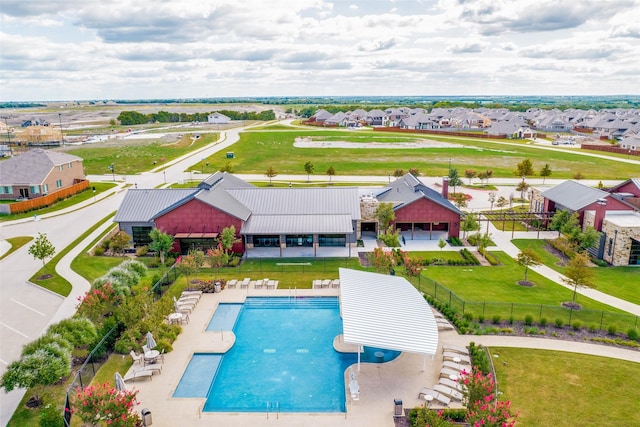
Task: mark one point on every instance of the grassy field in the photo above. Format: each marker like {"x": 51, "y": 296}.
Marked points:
{"x": 621, "y": 282}
{"x": 16, "y": 243}
{"x": 130, "y": 157}
{"x": 258, "y": 150}
{"x": 569, "y": 389}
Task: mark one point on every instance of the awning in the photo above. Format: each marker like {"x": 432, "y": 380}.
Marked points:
{"x": 384, "y": 311}
{"x": 196, "y": 235}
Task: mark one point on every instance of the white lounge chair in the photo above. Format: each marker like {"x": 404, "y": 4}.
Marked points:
{"x": 189, "y": 301}
{"x": 456, "y": 366}
{"x": 192, "y": 293}
{"x": 447, "y": 372}
{"x": 448, "y": 391}
{"x": 437, "y": 396}
{"x": 455, "y": 349}
{"x": 231, "y": 284}
{"x": 335, "y": 283}
{"x": 317, "y": 284}
{"x": 258, "y": 284}
{"x": 142, "y": 373}
{"x": 326, "y": 283}
{"x": 455, "y": 385}
{"x": 245, "y": 283}
{"x": 456, "y": 357}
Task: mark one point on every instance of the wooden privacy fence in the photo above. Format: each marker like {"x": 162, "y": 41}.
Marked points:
{"x": 49, "y": 199}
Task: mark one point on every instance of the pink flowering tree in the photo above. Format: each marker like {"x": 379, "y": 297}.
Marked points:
{"x": 483, "y": 409}
{"x": 97, "y": 304}
{"x": 104, "y": 405}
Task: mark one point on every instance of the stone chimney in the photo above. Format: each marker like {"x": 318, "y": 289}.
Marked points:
{"x": 445, "y": 187}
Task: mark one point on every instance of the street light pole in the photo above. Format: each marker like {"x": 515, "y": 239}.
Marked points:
{"x": 61, "y": 133}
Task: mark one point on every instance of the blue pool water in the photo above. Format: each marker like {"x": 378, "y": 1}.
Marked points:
{"x": 283, "y": 355}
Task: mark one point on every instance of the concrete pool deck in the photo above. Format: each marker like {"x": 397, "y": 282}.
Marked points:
{"x": 380, "y": 384}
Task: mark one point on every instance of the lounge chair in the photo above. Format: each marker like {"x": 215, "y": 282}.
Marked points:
{"x": 231, "y": 284}
{"x": 335, "y": 283}
{"x": 196, "y": 297}
{"x": 447, "y": 372}
{"x": 456, "y": 357}
{"x": 245, "y": 283}
{"x": 192, "y": 293}
{"x": 137, "y": 357}
{"x": 354, "y": 389}
{"x": 326, "y": 283}
{"x": 188, "y": 301}
{"x": 448, "y": 391}
{"x": 437, "y": 396}
{"x": 455, "y": 385}
{"x": 317, "y": 284}
{"x": 456, "y": 366}
{"x": 155, "y": 369}
{"x": 258, "y": 284}
{"x": 142, "y": 373}
{"x": 184, "y": 308}
{"x": 455, "y": 349}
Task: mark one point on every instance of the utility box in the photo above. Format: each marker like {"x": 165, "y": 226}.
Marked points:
{"x": 397, "y": 408}
{"x": 230, "y": 155}
{"x": 146, "y": 417}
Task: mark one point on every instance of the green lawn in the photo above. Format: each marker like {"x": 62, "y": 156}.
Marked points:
{"x": 621, "y": 282}
{"x": 552, "y": 388}
{"x": 16, "y": 243}
{"x": 258, "y": 150}
{"x": 136, "y": 157}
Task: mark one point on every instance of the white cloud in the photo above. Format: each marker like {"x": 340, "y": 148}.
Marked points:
{"x": 85, "y": 49}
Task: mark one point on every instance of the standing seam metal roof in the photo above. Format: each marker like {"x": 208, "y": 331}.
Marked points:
{"x": 574, "y": 195}
{"x": 142, "y": 205}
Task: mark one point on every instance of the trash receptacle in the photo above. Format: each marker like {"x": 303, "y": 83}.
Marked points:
{"x": 397, "y": 412}
{"x": 217, "y": 287}
{"x": 146, "y": 417}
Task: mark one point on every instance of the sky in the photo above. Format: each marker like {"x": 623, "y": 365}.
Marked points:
{"x": 124, "y": 49}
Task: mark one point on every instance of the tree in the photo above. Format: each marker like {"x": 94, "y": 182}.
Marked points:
{"x": 228, "y": 238}
{"x": 414, "y": 171}
{"x": 119, "y": 242}
{"x": 528, "y": 258}
{"x": 308, "y": 168}
{"x": 564, "y": 222}
{"x": 470, "y": 223}
{"x": 578, "y": 176}
{"x": 42, "y": 248}
{"x": 42, "y": 367}
{"x": 398, "y": 173}
{"x": 442, "y": 244}
{"x": 381, "y": 260}
{"x": 522, "y": 187}
{"x": 524, "y": 168}
{"x": 484, "y": 241}
{"x": 470, "y": 174}
{"x": 198, "y": 259}
{"x": 578, "y": 274}
{"x": 545, "y": 172}
{"x": 79, "y": 331}
{"x": 161, "y": 243}
{"x": 331, "y": 172}
{"x": 384, "y": 214}
{"x": 186, "y": 265}
{"x": 459, "y": 199}
{"x": 412, "y": 266}
{"x": 271, "y": 172}
{"x": 454, "y": 179}
{"x": 105, "y": 403}
{"x": 217, "y": 258}
{"x": 492, "y": 198}
{"x": 586, "y": 239}
{"x": 228, "y": 167}
{"x": 502, "y": 202}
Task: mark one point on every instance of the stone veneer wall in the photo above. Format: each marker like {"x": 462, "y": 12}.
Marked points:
{"x": 621, "y": 243}
{"x": 368, "y": 209}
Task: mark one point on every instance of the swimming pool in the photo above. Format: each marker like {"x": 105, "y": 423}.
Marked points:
{"x": 283, "y": 358}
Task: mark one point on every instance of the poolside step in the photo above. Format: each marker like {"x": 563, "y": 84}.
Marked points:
{"x": 297, "y": 302}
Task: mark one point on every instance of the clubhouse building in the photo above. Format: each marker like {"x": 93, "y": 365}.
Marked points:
{"x": 310, "y": 219}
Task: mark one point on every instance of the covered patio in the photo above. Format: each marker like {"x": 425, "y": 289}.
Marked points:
{"x": 388, "y": 312}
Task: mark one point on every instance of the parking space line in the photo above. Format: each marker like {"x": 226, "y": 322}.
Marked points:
{"x": 14, "y": 330}
{"x": 27, "y": 307}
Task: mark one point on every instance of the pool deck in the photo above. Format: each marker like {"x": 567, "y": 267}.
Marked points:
{"x": 380, "y": 384}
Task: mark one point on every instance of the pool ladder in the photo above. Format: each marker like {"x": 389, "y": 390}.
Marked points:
{"x": 277, "y": 409}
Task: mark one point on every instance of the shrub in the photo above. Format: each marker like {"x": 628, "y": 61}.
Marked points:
{"x": 142, "y": 250}
{"x": 496, "y": 319}
{"x": 40, "y": 367}
{"x": 576, "y": 325}
{"x": 234, "y": 261}
{"x": 511, "y": 320}
{"x": 50, "y": 416}
{"x": 543, "y": 322}
{"x": 106, "y": 403}
{"x": 481, "y": 318}
{"x": 105, "y": 244}
{"x": 98, "y": 251}
{"x": 48, "y": 338}
{"x": 531, "y": 330}
{"x": 79, "y": 331}
{"x": 134, "y": 266}
{"x": 633, "y": 334}
{"x": 559, "y": 323}
{"x": 612, "y": 329}
{"x": 468, "y": 316}
{"x": 593, "y": 328}
{"x": 528, "y": 320}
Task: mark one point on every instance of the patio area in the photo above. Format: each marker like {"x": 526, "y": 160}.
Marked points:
{"x": 380, "y": 384}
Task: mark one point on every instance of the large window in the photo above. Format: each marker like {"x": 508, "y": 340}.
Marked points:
{"x": 266, "y": 241}
{"x": 141, "y": 235}
{"x": 299, "y": 240}
{"x": 59, "y": 183}
{"x": 332, "y": 240}
{"x": 203, "y": 245}
{"x": 35, "y": 189}
{"x": 634, "y": 255}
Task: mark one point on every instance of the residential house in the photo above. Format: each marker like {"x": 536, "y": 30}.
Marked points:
{"x": 38, "y": 172}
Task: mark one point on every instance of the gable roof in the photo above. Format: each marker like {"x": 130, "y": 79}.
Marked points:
{"x": 33, "y": 166}
{"x": 407, "y": 189}
{"x": 142, "y": 205}
{"x": 574, "y": 195}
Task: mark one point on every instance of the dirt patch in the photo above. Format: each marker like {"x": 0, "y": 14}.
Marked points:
{"x": 526, "y": 283}
{"x": 572, "y": 305}
{"x": 44, "y": 277}
{"x": 308, "y": 142}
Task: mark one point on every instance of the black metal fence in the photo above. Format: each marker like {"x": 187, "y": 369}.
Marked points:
{"x": 538, "y": 313}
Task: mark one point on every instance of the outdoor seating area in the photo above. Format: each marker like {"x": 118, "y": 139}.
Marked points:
{"x": 326, "y": 283}
{"x": 456, "y": 360}
{"x": 247, "y": 283}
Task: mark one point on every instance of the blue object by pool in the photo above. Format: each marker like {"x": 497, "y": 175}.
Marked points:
{"x": 283, "y": 359}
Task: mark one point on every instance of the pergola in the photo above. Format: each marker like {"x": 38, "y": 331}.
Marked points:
{"x": 385, "y": 311}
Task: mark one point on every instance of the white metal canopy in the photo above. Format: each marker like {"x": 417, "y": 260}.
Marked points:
{"x": 385, "y": 311}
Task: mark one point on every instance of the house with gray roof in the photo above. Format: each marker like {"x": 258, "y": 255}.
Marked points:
{"x": 38, "y": 172}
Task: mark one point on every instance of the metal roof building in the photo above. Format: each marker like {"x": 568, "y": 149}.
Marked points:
{"x": 385, "y": 311}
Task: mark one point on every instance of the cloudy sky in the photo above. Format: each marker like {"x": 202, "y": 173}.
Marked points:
{"x": 124, "y": 49}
